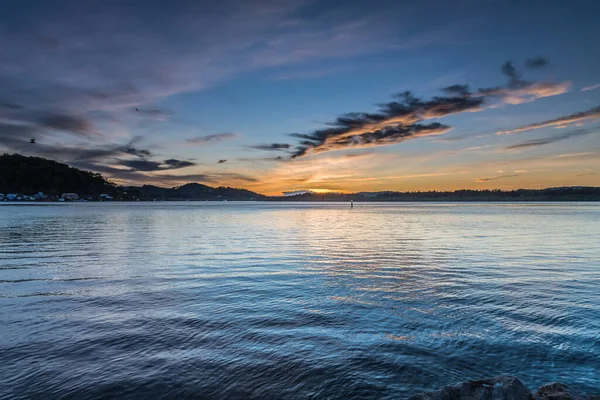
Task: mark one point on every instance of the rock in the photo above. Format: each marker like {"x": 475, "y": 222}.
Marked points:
{"x": 499, "y": 388}
{"x": 557, "y": 391}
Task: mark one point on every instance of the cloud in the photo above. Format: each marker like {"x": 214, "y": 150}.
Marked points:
{"x": 519, "y": 91}
{"x": 585, "y": 174}
{"x": 402, "y": 119}
{"x": 208, "y": 177}
{"x": 308, "y": 74}
{"x": 10, "y": 106}
{"x": 155, "y": 113}
{"x": 591, "y": 87}
{"x": 510, "y": 71}
{"x": 65, "y": 123}
{"x": 209, "y": 139}
{"x": 278, "y": 158}
{"x": 525, "y": 92}
{"x": 149, "y": 166}
{"x": 221, "y": 161}
{"x": 138, "y": 177}
{"x": 536, "y": 62}
{"x": 493, "y": 178}
{"x": 129, "y": 149}
{"x": 113, "y": 62}
{"x": 592, "y": 113}
{"x": 175, "y": 164}
{"x": 272, "y": 146}
{"x": 395, "y": 121}
{"x": 551, "y": 139}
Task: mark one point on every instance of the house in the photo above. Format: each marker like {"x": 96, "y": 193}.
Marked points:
{"x": 12, "y": 196}
{"x": 40, "y": 196}
{"x": 1, "y": 196}
{"x": 70, "y": 196}
{"x": 104, "y": 196}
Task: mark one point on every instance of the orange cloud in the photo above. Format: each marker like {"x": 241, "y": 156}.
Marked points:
{"x": 561, "y": 122}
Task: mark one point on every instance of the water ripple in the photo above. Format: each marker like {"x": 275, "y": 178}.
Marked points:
{"x": 267, "y": 300}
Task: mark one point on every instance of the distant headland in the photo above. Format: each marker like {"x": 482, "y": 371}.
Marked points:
{"x": 25, "y": 178}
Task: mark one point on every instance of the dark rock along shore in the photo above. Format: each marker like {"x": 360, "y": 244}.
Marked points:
{"x": 502, "y": 388}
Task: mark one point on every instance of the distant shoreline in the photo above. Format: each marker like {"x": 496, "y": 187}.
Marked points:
{"x": 356, "y": 202}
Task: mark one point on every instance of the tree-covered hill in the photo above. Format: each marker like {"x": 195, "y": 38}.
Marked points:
{"x": 28, "y": 175}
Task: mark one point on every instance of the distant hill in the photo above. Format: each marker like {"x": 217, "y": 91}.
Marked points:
{"x": 196, "y": 191}
{"x": 29, "y": 175}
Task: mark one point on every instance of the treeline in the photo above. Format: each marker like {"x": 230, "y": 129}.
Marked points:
{"x": 570, "y": 193}
{"x": 195, "y": 191}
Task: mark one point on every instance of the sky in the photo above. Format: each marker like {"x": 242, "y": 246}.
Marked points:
{"x": 278, "y": 96}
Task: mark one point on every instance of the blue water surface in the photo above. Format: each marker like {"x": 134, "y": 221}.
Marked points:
{"x": 295, "y": 300}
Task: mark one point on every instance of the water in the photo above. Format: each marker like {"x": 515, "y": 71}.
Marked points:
{"x": 269, "y": 300}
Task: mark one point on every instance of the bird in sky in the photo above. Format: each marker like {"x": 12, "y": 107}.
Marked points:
{"x": 32, "y": 141}
{"x": 221, "y": 161}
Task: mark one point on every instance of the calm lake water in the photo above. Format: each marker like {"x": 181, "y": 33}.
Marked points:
{"x": 272, "y": 300}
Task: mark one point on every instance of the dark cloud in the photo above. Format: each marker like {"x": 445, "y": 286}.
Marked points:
{"x": 272, "y": 146}
{"x": 221, "y": 161}
{"x": 278, "y": 158}
{"x": 174, "y": 163}
{"x": 138, "y": 177}
{"x": 396, "y": 121}
{"x": 150, "y": 166}
{"x": 208, "y": 139}
{"x": 208, "y": 177}
{"x": 551, "y": 139}
{"x": 510, "y": 71}
{"x": 142, "y": 165}
{"x": 129, "y": 149}
{"x": 519, "y": 91}
{"x": 402, "y": 119}
{"x": 493, "y": 178}
{"x": 10, "y": 106}
{"x": 536, "y": 62}
{"x": 154, "y": 113}
{"x": 592, "y": 113}
{"x": 14, "y": 131}
{"x": 16, "y": 138}
{"x": 64, "y": 122}
{"x": 462, "y": 90}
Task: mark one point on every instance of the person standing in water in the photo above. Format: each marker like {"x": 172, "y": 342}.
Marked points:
{"x": 351, "y": 203}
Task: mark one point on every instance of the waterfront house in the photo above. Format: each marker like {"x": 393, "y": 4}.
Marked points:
{"x": 70, "y": 196}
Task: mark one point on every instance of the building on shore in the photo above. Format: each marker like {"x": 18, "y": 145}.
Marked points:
{"x": 70, "y": 196}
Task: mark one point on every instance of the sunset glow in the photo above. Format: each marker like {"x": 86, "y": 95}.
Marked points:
{"x": 286, "y": 101}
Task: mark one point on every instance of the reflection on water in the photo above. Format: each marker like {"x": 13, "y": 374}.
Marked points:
{"x": 295, "y": 300}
